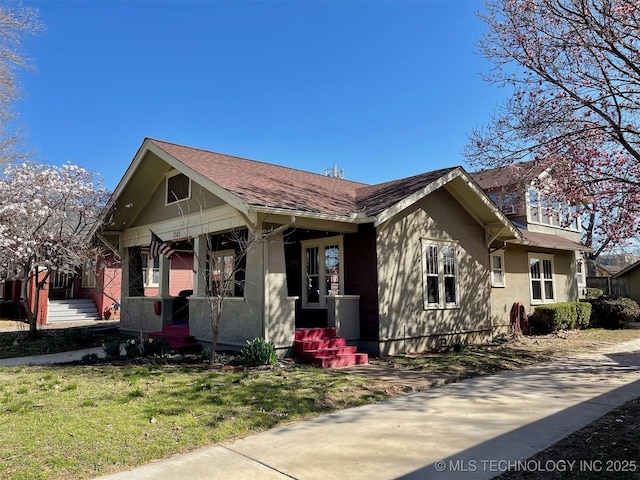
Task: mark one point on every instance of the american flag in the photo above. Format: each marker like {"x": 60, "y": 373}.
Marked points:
{"x": 158, "y": 247}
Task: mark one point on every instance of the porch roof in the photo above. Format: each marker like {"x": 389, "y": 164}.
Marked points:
{"x": 547, "y": 240}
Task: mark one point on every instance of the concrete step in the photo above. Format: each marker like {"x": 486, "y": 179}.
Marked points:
{"x": 322, "y": 347}
{"x": 338, "y": 361}
{"x": 314, "y": 333}
{"x": 72, "y": 310}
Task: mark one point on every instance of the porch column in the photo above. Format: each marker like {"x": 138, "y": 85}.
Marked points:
{"x": 165, "y": 268}
{"x": 279, "y": 309}
{"x": 200, "y": 266}
{"x": 163, "y": 291}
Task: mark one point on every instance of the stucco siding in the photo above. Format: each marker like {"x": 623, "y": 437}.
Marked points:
{"x": 517, "y": 281}
{"x": 403, "y": 318}
{"x": 156, "y": 210}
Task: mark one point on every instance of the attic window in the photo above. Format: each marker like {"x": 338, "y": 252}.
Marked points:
{"x": 178, "y": 188}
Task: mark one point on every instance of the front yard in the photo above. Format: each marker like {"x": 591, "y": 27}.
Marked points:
{"x": 84, "y": 420}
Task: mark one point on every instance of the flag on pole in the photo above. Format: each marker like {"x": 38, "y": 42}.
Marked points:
{"x": 158, "y": 247}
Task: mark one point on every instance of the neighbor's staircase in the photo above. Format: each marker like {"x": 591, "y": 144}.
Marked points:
{"x": 178, "y": 337}
{"x": 322, "y": 347}
{"x": 75, "y": 310}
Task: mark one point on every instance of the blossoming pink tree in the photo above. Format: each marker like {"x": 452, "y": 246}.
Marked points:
{"x": 46, "y": 214}
{"x": 574, "y": 70}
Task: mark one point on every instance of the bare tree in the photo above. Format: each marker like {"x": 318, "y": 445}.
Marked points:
{"x": 574, "y": 68}
{"x": 225, "y": 272}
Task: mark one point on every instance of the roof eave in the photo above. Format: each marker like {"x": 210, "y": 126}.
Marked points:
{"x": 357, "y": 218}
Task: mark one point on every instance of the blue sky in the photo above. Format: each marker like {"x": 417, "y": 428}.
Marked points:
{"x": 383, "y": 89}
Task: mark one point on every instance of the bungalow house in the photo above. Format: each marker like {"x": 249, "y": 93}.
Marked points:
{"x": 400, "y": 266}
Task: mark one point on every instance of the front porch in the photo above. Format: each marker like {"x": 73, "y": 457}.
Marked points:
{"x": 262, "y": 306}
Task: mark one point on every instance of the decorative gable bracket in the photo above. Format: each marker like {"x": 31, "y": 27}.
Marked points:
{"x": 492, "y": 232}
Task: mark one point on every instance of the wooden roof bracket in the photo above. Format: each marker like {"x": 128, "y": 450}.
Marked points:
{"x": 489, "y": 237}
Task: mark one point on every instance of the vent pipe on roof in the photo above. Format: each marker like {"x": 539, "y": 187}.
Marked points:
{"x": 334, "y": 172}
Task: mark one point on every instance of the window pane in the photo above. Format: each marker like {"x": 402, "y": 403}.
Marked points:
{"x": 548, "y": 290}
{"x": 313, "y": 289}
{"x": 449, "y": 260}
{"x": 432, "y": 260}
{"x": 450, "y": 289}
{"x": 312, "y": 261}
{"x": 222, "y": 274}
{"x": 536, "y": 290}
{"x": 332, "y": 269}
{"x": 177, "y": 188}
{"x": 313, "y": 274}
{"x": 534, "y": 267}
{"x": 497, "y": 262}
{"x": 432, "y": 290}
{"x": 547, "y": 270}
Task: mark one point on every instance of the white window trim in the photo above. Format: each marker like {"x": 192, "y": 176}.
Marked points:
{"x": 564, "y": 210}
{"x": 221, "y": 254}
{"x": 541, "y": 257}
{"x": 321, "y": 243}
{"x": 581, "y": 277}
{"x": 442, "y": 303}
{"x": 166, "y": 189}
{"x": 494, "y": 283}
{"x": 147, "y": 272}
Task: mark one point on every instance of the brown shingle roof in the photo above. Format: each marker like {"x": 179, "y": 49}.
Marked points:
{"x": 275, "y": 186}
{"x": 506, "y": 176}
{"x": 265, "y": 184}
{"x": 551, "y": 241}
{"x": 375, "y": 199}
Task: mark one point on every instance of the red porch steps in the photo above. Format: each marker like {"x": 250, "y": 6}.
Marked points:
{"x": 178, "y": 337}
{"x": 322, "y": 347}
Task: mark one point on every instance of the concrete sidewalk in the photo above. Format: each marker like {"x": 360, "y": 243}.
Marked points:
{"x": 52, "y": 358}
{"x": 470, "y": 429}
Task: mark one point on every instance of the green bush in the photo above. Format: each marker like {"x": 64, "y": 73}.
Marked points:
{"x": 560, "y": 316}
{"x": 259, "y": 352}
{"x": 594, "y": 293}
{"x": 112, "y": 349}
{"x": 614, "y": 313}
{"x": 133, "y": 348}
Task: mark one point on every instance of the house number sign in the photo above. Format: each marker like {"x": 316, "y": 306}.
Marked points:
{"x": 177, "y": 233}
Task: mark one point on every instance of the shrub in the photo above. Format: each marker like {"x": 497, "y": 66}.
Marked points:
{"x": 133, "y": 348}
{"x": 593, "y": 293}
{"x": 259, "y": 352}
{"x": 112, "y": 349}
{"x": 560, "y": 316}
{"x": 78, "y": 336}
{"x": 614, "y": 313}
{"x": 156, "y": 347}
{"x": 459, "y": 347}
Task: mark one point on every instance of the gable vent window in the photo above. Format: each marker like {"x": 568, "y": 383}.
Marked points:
{"x": 178, "y": 188}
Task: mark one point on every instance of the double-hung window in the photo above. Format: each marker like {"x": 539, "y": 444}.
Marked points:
{"x": 440, "y": 274}
{"x": 222, "y": 270}
{"x": 150, "y": 270}
{"x": 497, "y": 270}
{"x": 541, "y": 275}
